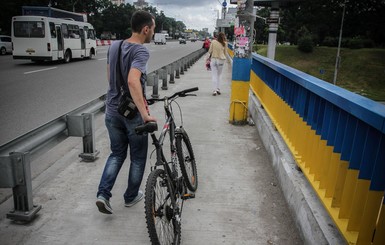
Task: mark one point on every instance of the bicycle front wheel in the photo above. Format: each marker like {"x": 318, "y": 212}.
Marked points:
{"x": 187, "y": 161}
{"x": 163, "y": 227}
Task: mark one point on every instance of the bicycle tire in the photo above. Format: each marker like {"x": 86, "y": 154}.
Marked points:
{"x": 187, "y": 161}
{"x": 161, "y": 224}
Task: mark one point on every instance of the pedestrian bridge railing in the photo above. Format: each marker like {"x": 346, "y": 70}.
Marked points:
{"x": 337, "y": 139}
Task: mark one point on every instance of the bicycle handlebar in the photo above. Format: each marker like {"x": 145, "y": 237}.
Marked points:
{"x": 182, "y": 93}
{"x": 189, "y": 90}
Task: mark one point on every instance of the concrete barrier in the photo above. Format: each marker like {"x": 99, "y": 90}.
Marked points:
{"x": 103, "y": 42}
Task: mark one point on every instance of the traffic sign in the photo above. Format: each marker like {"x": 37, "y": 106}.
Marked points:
{"x": 272, "y": 20}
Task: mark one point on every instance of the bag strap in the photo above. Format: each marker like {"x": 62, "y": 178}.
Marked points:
{"x": 119, "y": 76}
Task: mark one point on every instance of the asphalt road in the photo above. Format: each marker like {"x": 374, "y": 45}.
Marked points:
{"x": 34, "y": 94}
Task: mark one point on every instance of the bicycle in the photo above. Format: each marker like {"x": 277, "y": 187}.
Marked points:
{"x": 166, "y": 188}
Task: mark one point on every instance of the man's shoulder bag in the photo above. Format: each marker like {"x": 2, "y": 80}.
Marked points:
{"x": 126, "y": 106}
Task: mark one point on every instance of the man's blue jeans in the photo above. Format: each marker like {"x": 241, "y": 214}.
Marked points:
{"x": 122, "y": 134}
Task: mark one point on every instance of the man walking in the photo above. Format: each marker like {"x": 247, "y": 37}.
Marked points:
{"x": 133, "y": 63}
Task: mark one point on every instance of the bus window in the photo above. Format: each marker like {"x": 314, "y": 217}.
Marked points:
{"x": 37, "y": 29}
{"x": 52, "y": 29}
{"x": 73, "y": 31}
{"x": 21, "y": 29}
{"x": 64, "y": 30}
{"x": 91, "y": 34}
{"x": 28, "y": 29}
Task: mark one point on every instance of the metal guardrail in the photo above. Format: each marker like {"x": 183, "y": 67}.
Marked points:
{"x": 16, "y": 156}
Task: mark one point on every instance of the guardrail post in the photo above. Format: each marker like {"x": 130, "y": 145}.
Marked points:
{"x": 84, "y": 126}
{"x": 182, "y": 66}
{"x": 176, "y": 66}
{"x": 170, "y": 69}
{"x": 16, "y": 174}
{"x": 192, "y": 57}
{"x": 188, "y": 61}
{"x": 163, "y": 76}
{"x": 185, "y": 64}
{"x": 155, "y": 93}
{"x": 152, "y": 80}
{"x": 195, "y": 57}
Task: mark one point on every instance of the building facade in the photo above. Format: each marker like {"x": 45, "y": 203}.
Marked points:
{"x": 140, "y": 4}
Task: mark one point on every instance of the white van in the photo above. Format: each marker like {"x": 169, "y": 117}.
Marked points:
{"x": 5, "y": 44}
{"x": 160, "y": 38}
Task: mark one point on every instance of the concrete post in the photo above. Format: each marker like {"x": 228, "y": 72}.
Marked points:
{"x": 177, "y": 65}
{"x": 155, "y": 93}
{"x": 163, "y": 76}
{"x": 170, "y": 69}
{"x": 182, "y": 66}
{"x": 185, "y": 61}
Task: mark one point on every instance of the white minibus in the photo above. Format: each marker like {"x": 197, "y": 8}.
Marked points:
{"x": 40, "y": 38}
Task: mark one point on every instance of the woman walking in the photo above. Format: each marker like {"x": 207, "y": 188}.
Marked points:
{"x": 217, "y": 54}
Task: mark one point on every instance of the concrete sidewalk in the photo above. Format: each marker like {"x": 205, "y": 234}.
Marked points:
{"x": 238, "y": 201}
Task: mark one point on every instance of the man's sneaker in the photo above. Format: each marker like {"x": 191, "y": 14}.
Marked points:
{"x": 136, "y": 199}
{"x": 104, "y": 205}
{"x": 218, "y": 92}
{"x": 214, "y": 93}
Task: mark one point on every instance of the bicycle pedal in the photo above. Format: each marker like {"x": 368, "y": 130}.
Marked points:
{"x": 188, "y": 196}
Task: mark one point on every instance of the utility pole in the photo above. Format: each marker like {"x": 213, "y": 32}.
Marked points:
{"x": 224, "y": 5}
{"x": 273, "y": 22}
{"x": 73, "y": 5}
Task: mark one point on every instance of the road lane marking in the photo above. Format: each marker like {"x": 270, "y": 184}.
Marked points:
{"x": 46, "y": 69}
{"x": 102, "y": 59}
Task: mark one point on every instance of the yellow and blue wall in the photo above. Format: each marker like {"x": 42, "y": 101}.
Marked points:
{"x": 336, "y": 137}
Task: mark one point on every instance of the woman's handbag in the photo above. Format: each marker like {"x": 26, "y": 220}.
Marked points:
{"x": 208, "y": 66}
{"x": 208, "y": 61}
{"x": 126, "y": 106}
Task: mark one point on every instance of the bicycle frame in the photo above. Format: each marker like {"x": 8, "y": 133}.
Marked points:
{"x": 168, "y": 128}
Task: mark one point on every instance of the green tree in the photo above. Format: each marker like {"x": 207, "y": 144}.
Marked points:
{"x": 323, "y": 19}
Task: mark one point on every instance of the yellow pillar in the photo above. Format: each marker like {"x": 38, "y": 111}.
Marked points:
{"x": 240, "y": 90}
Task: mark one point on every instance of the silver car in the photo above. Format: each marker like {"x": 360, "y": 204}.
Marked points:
{"x": 5, "y": 44}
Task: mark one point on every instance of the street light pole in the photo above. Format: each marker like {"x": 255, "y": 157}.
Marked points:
{"x": 338, "y": 58}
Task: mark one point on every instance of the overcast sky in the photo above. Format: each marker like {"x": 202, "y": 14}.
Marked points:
{"x": 196, "y": 14}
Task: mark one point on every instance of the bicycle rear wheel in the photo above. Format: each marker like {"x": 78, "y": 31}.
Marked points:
{"x": 163, "y": 228}
{"x": 187, "y": 161}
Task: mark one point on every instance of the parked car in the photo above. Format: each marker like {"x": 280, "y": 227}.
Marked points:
{"x": 5, "y": 44}
{"x": 182, "y": 40}
{"x": 193, "y": 39}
